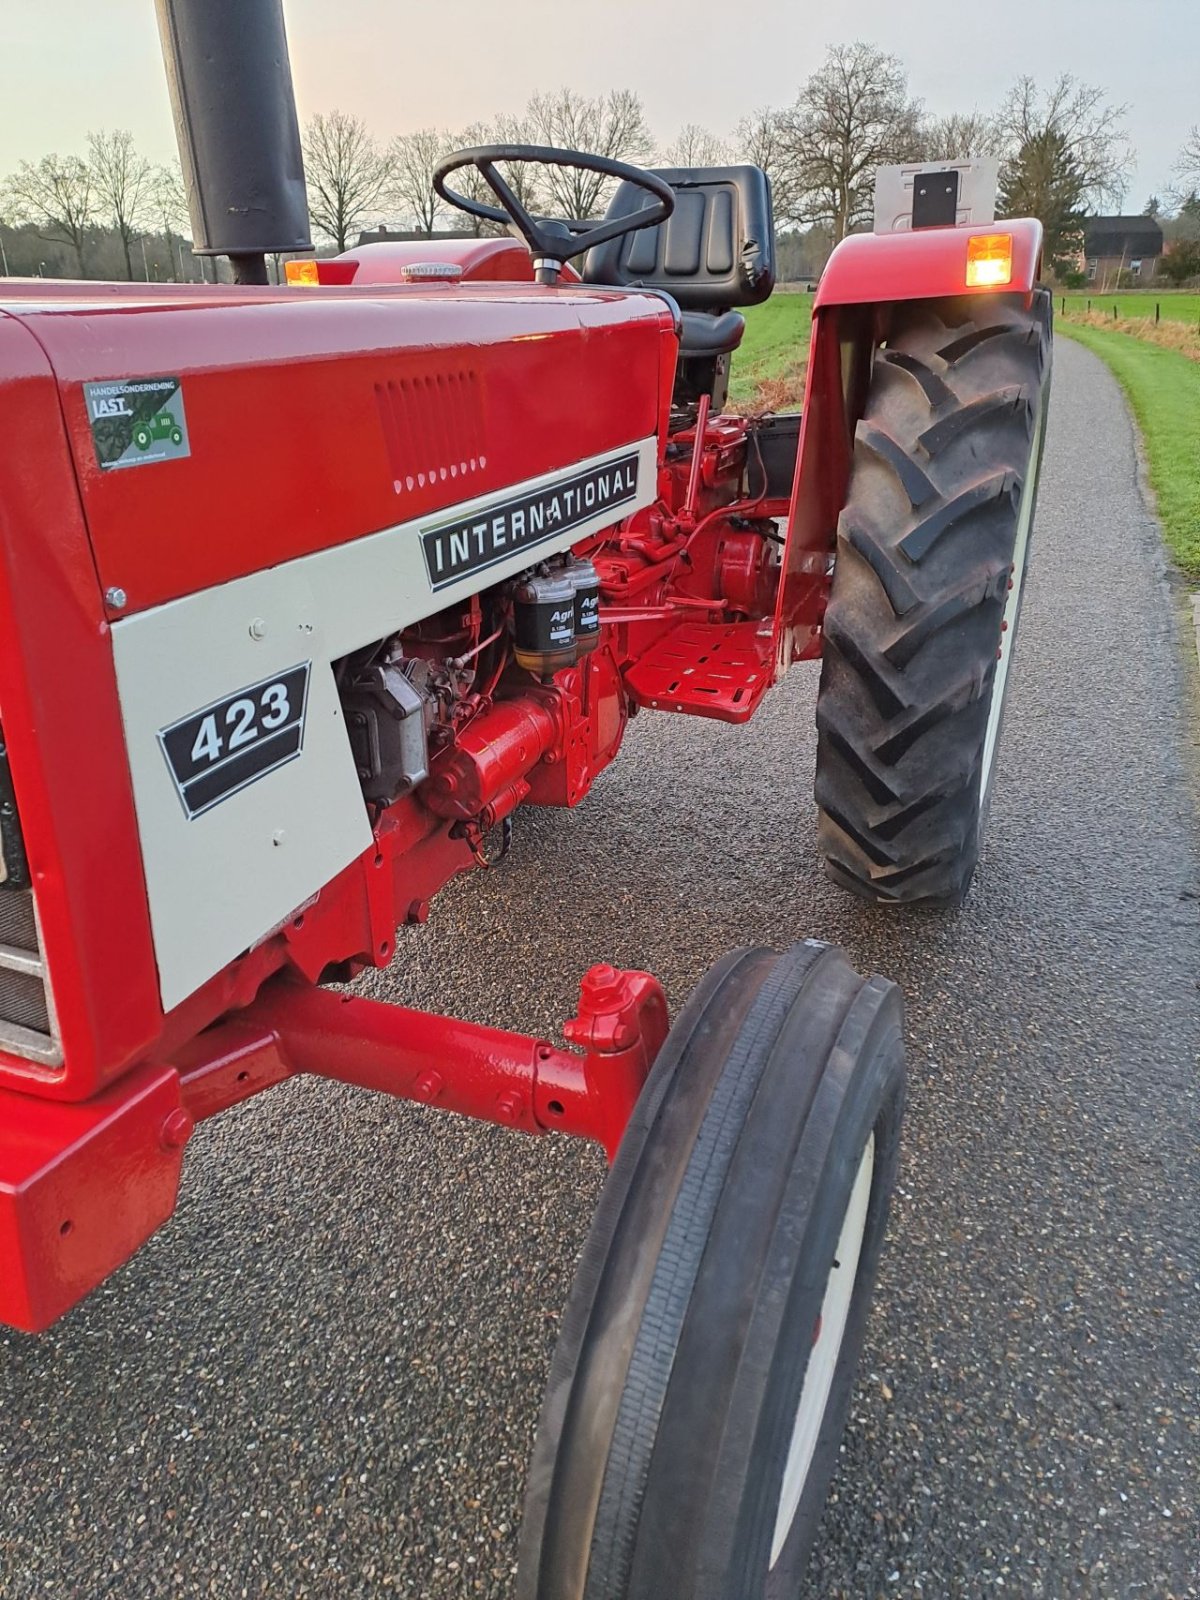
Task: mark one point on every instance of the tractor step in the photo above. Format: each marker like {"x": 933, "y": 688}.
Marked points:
{"x": 706, "y": 669}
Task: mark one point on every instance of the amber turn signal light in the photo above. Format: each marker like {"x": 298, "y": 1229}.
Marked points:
{"x": 302, "y": 273}
{"x": 989, "y": 260}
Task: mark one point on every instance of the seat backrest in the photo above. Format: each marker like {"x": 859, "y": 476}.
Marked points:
{"x": 715, "y": 251}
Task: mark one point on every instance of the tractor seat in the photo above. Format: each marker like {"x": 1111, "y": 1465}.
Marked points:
{"x": 714, "y": 252}
{"x": 704, "y": 333}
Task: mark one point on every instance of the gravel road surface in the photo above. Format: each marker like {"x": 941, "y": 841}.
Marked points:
{"x": 322, "y": 1378}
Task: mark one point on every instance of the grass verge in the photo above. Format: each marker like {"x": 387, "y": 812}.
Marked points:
{"x": 1173, "y": 305}
{"x": 1181, "y": 336}
{"x": 1163, "y": 387}
{"x": 768, "y": 366}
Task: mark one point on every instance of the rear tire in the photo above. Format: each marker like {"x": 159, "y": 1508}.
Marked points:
{"x": 932, "y": 550}
{"x": 703, "y": 1374}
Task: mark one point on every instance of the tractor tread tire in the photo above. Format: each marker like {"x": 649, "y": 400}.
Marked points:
{"x": 944, "y": 456}
{"x": 657, "y": 1465}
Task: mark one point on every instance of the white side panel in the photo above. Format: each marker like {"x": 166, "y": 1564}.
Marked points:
{"x": 376, "y": 585}
{"x": 220, "y": 881}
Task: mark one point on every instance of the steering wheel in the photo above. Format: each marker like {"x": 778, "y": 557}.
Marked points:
{"x": 551, "y": 242}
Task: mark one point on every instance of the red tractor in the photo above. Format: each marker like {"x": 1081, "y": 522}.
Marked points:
{"x": 307, "y": 589}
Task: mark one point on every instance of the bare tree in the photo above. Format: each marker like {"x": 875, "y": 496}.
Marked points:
{"x": 1184, "y": 226}
{"x": 170, "y": 198}
{"x": 960, "y": 136}
{"x": 762, "y": 139}
{"x": 123, "y": 184}
{"x": 347, "y": 174}
{"x": 56, "y": 198}
{"x": 1075, "y": 119}
{"x": 412, "y": 158}
{"x": 694, "y": 146}
{"x": 612, "y": 125}
{"x": 171, "y": 209}
{"x": 853, "y": 115}
{"x": 1188, "y": 165}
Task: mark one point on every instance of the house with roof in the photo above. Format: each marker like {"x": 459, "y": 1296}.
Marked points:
{"x": 1113, "y": 245}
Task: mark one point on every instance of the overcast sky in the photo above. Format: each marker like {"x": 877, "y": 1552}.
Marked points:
{"x": 70, "y": 65}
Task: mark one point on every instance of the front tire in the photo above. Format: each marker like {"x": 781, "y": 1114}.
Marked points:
{"x": 932, "y": 550}
{"x": 703, "y": 1373}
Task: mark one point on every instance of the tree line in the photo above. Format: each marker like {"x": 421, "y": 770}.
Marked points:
{"x": 83, "y": 206}
{"x": 1063, "y": 149}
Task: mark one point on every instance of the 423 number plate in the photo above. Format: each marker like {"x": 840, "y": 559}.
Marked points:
{"x": 225, "y": 746}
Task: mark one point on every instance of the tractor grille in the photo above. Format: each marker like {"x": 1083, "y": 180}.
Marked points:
{"x": 27, "y": 1023}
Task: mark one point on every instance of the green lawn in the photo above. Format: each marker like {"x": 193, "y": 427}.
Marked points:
{"x": 773, "y": 348}
{"x": 1173, "y": 307}
{"x": 1164, "y": 391}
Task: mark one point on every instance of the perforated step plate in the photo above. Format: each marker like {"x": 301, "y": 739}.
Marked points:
{"x": 706, "y": 669}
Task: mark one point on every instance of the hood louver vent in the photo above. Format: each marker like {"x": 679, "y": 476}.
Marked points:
{"x": 434, "y": 430}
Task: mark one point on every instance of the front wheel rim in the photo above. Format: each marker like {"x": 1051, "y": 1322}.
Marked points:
{"x": 827, "y": 1347}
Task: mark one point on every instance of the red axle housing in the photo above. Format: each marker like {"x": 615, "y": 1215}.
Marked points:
{"x": 86, "y": 1185}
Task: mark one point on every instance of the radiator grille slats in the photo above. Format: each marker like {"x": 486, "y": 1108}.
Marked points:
{"x": 27, "y": 1025}
{"x": 23, "y": 1001}
{"x": 18, "y": 925}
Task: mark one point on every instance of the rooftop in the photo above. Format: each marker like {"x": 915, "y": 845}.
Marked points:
{"x": 1122, "y": 236}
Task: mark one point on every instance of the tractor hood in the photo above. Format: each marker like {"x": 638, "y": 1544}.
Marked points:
{"x": 218, "y": 432}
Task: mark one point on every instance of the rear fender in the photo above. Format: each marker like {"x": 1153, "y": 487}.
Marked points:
{"x": 923, "y": 265}
{"x": 867, "y": 276}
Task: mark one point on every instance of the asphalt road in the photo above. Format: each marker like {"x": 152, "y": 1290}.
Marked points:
{"x": 322, "y": 1378}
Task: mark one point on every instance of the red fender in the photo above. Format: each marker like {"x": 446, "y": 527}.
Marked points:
{"x": 923, "y": 265}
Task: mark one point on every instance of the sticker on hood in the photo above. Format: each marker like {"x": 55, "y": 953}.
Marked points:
{"x": 137, "y": 422}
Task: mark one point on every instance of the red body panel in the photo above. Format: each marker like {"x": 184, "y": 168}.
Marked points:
{"x": 81, "y": 1188}
{"x": 839, "y": 366}
{"x": 62, "y": 724}
{"x": 923, "y": 265}
{"x": 482, "y": 260}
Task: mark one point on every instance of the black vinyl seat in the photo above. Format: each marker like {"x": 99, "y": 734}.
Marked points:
{"x": 714, "y": 253}
{"x": 705, "y": 334}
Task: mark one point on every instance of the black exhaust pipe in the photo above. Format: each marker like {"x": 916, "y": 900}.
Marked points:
{"x": 235, "y": 120}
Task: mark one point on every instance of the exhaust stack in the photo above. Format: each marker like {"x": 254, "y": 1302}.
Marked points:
{"x": 235, "y": 120}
